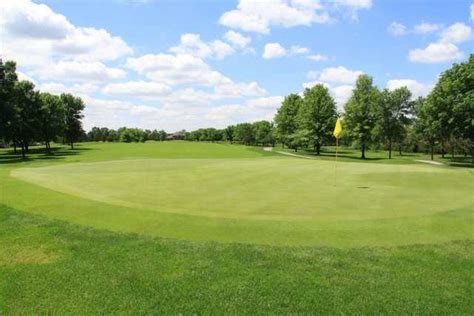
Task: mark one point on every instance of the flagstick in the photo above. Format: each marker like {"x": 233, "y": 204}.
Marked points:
{"x": 335, "y": 165}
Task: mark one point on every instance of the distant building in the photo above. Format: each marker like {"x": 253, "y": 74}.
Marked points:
{"x": 180, "y": 135}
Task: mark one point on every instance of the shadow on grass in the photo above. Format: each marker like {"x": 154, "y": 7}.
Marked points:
{"x": 342, "y": 154}
{"x": 39, "y": 153}
{"x": 461, "y": 164}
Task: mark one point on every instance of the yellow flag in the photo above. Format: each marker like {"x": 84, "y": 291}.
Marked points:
{"x": 338, "y": 128}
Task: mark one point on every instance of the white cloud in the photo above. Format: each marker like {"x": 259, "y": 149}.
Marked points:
{"x": 117, "y": 113}
{"x": 191, "y": 44}
{"x": 188, "y": 98}
{"x": 234, "y": 90}
{"x": 237, "y": 40}
{"x": 87, "y": 43}
{"x": 397, "y": 29}
{"x": 340, "y": 75}
{"x": 424, "y": 28}
{"x": 80, "y": 71}
{"x": 318, "y": 57}
{"x": 456, "y": 33}
{"x": 58, "y": 88}
{"x": 298, "y": 50}
{"x": 38, "y": 39}
{"x": 250, "y": 111}
{"x": 176, "y": 69}
{"x": 445, "y": 49}
{"x": 26, "y": 19}
{"x": 260, "y": 16}
{"x": 187, "y": 69}
{"x": 141, "y": 89}
{"x": 436, "y": 53}
{"x": 339, "y": 80}
{"x": 353, "y": 6}
{"x": 356, "y": 4}
{"x": 417, "y": 88}
{"x": 275, "y": 50}
{"x": 340, "y": 93}
{"x": 265, "y": 103}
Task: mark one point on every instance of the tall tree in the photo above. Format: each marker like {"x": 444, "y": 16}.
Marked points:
{"x": 359, "y": 117}
{"x": 392, "y": 116}
{"x": 25, "y": 122}
{"x": 286, "y": 117}
{"x": 163, "y": 135}
{"x": 51, "y": 118}
{"x": 427, "y": 123}
{"x": 229, "y": 133}
{"x": 453, "y": 101}
{"x": 73, "y": 107}
{"x": 317, "y": 115}
{"x": 245, "y": 133}
{"x": 8, "y": 80}
{"x": 263, "y": 132}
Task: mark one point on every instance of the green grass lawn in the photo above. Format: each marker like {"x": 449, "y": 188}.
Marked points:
{"x": 182, "y": 227}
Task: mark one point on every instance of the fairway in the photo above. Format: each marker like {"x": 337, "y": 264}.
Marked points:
{"x": 236, "y": 198}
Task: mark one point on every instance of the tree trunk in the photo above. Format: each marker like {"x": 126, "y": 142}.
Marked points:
{"x": 472, "y": 154}
{"x": 432, "y": 151}
{"x": 363, "y": 151}
{"x": 27, "y": 147}
{"x": 72, "y": 145}
{"x": 23, "y": 155}
{"x": 318, "y": 149}
{"x": 14, "y": 148}
{"x": 400, "y": 149}
{"x": 390, "y": 149}
{"x": 442, "y": 149}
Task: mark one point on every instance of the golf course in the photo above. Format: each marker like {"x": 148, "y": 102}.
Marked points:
{"x": 170, "y": 226}
{"x": 237, "y": 157}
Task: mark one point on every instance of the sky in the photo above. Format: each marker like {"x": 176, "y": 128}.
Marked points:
{"x": 176, "y": 65}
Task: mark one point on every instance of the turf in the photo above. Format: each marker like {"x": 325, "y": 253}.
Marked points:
{"x": 294, "y": 197}
{"x": 211, "y": 228}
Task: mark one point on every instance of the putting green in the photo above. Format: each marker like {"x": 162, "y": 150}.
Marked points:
{"x": 262, "y": 200}
{"x": 276, "y": 189}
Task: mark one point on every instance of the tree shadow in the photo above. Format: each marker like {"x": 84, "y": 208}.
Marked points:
{"x": 346, "y": 154}
{"x": 39, "y": 154}
{"x": 461, "y": 164}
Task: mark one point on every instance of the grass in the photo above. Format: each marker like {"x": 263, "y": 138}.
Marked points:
{"x": 212, "y": 228}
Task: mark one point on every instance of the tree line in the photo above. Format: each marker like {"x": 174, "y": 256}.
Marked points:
{"x": 257, "y": 133}
{"x": 124, "y": 134}
{"x": 372, "y": 118}
{"x": 28, "y": 116}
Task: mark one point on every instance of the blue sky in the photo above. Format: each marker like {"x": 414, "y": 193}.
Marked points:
{"x": 189, "y": 64}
